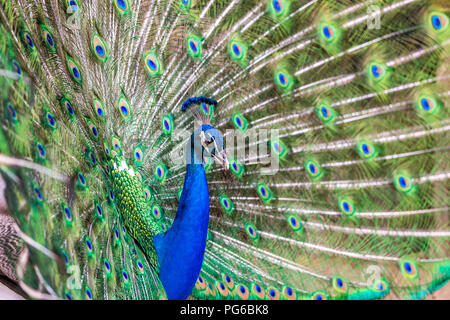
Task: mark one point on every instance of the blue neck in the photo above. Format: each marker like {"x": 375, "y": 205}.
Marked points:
{"x": 181, "y": 249}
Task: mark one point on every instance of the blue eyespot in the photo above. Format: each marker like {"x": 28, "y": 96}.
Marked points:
{"x": 365, "y": 148}
{"x": 89, "y": 245}
{"x": 277, "y": 147}
{"x": 402, "y": 182}
{"x": 75, "y": 72}
{"x": 99, "y": 49}
{"x": 326, "y": 32}
{"x": 151, "y": 64}
{"x": 193, "y": 46}
{"x": 294, "y": 223}
{"x": 29, "y": 41}
{"x": 425, "y": 104}
{"x": 409, "y": 269}
{"x": 236, "y": 49}
{"x": 346, "y": 206}
{"x": 50, "y": 120}
{"x": 17, "y": 68}
{"x": 428, "y": 104}
{"x": 339, "y": 284}
{"x": 68, "y": 214}
{"x": 69, "y": 108}
{"x": 436, "y": 22}
{"x": 375, "y": 71}
{"x": 73, "y": 6}
{"x": 73, "y": 67}
{"x": 407, "y": 266}
{"x": 122, "y": 5}
{"x": 49, "y": 40}
{"x": 41, "y": 150}
{"x": 205, "y": 108}
{"x": 89, "y": 294}
{"x": 282, "y": 79}
{"x": 92, "y": 158}
{"x": 263, "y": 192}
{"x": 277, "y": 6}
{"x": 251, "y": 231}
{"x": 81, "y": 179}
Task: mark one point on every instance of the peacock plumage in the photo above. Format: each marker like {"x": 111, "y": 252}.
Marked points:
{"x": 234, "y": 149}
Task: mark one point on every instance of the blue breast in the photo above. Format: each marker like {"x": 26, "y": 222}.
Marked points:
{"x": 181, "y": 249}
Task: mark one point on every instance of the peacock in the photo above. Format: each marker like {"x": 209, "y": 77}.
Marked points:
{"x": 225, "y": 149}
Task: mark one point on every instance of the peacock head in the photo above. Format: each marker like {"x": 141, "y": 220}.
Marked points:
{"x": 207, "y": 142}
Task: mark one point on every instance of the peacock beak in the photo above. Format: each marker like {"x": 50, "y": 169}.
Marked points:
{"x": 222, "y": 159}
